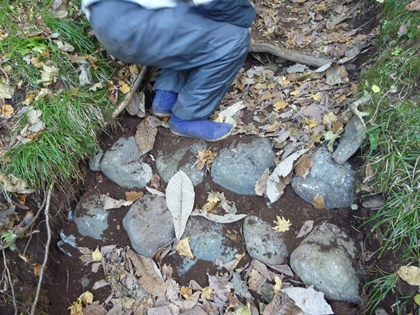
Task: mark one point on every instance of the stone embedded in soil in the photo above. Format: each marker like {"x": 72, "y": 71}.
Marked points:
{"x": 327, "y": 178}
{"x": 168, "y": 164}
{"x": 373, "y": 202}
{"x": 351, "y": 140}
{"x": 238, "y": 167}
{"x": 324, "y": 260}
{"x": 121, "y": 164}
{"x": 263, "y": 242}
{"x": 95, "y": 161}
{"x": 90, "y": 217}
{"x": 149, "y": 225}
{"x": 207, "y": 243}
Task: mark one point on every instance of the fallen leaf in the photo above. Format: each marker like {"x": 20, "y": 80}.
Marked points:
{"x": 280, "y": 105}
{"x": 278, "y": 286}
{"x": 145, "y": 137}
{"x": 37, "y": 269}
{"x": 417, "y": 299}
{"x": 376, "y": 89}
{"x": 94, "y": 309}
{"x": 180, "y": 200}
{"x": 14, "y": 184}
{"x": 255, "y": 280}
{"x": 6, "y": 110}
{"x": 207, "y": 292}
{"x": 306, "y": 228}
{"x": 97, "y": 255}
{"x": 261, "y": 184}
{"x": 246, "y": 310}
{"x": 413, "y": 6}
{"x": 303, "y": 165}
{"x": 183, "y": 248}
{"x": 368, "y": 173}
{"x": 329, "y": 118}
{"x": 318, "y": 202}
{"x": 282, "y": 304}
{"x": 6, "y": 91}
{"x": 111, "y": 203}
{"x": 282, "y": 224}
{"x": 86, "y": 297}
{"x": 133, "y": 195}
{"x": 205, "y": 158}
{"x": 308, "y": 300}
{"x": 410, "y": 274}
{"x": 227, "y": 218}
{"x": 124, "y": 88}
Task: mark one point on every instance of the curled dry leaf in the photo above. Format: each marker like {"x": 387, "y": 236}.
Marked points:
{"x": 318, "y": 202}
{"x": 180, "y": 200}
{"x": 145, "y": 136}
{"x": 183, "y": 248}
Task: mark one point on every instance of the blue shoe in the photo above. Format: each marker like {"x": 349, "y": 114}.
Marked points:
{"x": 163, "y": 103}
{"x": 201, "y": 129}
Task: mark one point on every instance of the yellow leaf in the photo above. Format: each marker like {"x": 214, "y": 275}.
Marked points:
{"x": 410, "y": 274}
{"x": 207, "y": 292}
{"x": 329, "y": 118}
{"x": 86, "y": 297}
{"x": 295, "y": 92}
{"x": 310, "y": 123}
{"x": 376, "y": 89}
{"x": 316, "y": 97}
{"x": 282, "y": 225}
{"x": 76, "y": 308}
{"x": 417, "y": 299}
{"x": 277, "y": 287}
{"x": 186, "y": 292}
{"x": 280, "y": 105}
{"x": 183, "y": 248}
{"x": 273, "y": 127}
{"x": 97, "y": 255}
{"x": 318, "y": 202}
{"x": 124, "y": 88}
{"x": 6, "y": 110}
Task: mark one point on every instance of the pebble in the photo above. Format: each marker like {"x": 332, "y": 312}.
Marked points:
{"x": 238, "y": 167}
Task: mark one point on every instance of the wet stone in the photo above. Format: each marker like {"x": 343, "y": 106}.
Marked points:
{"x": 327, "y": 178}
{"x": 122, "y": 164}
{"x": 90, "y": 217}
{"x": 168, "y": 164}
{"x": 207, "y": 242}
{"x": 324, "y": 260}
{"x": 350, "y": 141}
{"x": 149, "y": 225}
{"x": 238, "y": 167}
{"x": 263, "y": 242}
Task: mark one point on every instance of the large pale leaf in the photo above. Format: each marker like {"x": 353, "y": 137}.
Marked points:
{"x": 180, "y": 201}
{"x": 309, "y": 301}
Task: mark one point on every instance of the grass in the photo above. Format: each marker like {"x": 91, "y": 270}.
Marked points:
{"x": 72, "y": 114}
{"x": 393, "y": 146}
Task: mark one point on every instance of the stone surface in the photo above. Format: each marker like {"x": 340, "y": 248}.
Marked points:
{"x": 350, "y": 141}
{"x": 90, "y": 217}
{"x": 327, "y": 178}
{"x": 263, "y": 242}
{"x": 207, "y": 243}
{"x": 183, "y": 159}
{"x": 373, "y": 202}
{"x": 238, "y": 167}
{"x": 149, "y": 225}
{"x": 324, "y": 260}
{"x": 122, "y": 164}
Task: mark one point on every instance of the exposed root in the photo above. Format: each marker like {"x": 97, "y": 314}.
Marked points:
{"x": 47, "y": 247}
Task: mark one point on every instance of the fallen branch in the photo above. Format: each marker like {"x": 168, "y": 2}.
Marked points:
{"x": 47, "y": 247}
{"x": 259, "y": 47}
{"x": 10, "y": 282}
{"x": 130, "y": 94}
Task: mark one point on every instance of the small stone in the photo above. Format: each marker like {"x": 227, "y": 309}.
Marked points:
{"x": 238, "y": 167}
{"x": 263, "y": 242}
{"x": 149, "y": 225}
{"x": 373, "y": 202}
{"x": 95, "y": 161}
{"x": 350, "y": 141}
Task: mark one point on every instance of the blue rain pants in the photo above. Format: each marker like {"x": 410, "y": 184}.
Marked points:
{"x": 198, "y": 56}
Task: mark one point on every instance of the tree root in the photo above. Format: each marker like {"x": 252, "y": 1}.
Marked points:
{"x": 260, "y": 47}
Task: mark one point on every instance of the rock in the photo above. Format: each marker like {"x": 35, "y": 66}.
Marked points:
{"x": 323, "y": 260}
{"x": 238, "y": 167}
{"x": 121, "y": 164}
{"x": 207, "y": 243}
{"x": 327, "y": 178}
{"x": 90, "y": 217}
{"x": 95, "y": 161}
{"x": 263, "y": 242}
{"x": 373, "y": 202}
{"x": 168, "y": 164}
{"x": 149, "y": 225}
{"x": 350, "y": 141}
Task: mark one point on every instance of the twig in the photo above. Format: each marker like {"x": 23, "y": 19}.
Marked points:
{"x": 47, "y": 247}
{"x": 260, "y": 47}
{"x": 10, "y": 281}
{"x": 130, "y": 94}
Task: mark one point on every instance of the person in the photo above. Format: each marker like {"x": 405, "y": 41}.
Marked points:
{"x": 199, "y": 47}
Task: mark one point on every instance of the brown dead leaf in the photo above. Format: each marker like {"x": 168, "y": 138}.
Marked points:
{"x": 145, "y": 137}
{"x": 204, "y": 159}
{"x": 94, "y": 309}
{"x": 6, "y": 110}
{"x": 255, "y": 280}
{"x": 413, "y": 6}
{"x": 303, "y": 165}
{"x": 368, "y": 173}
{"x": 318, "y": 202}
{"x": 37, "y": 269}
{"x": 133, "y": 195}
{"x": 282, "y": 304}
{"x": 306, "y": 228}
{"x": 336, "y": 127}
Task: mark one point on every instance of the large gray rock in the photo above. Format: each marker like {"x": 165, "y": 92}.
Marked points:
{"x": 238, "y": 167}
{"x": 263, "y": 242}
{"x": 327, "y": 178}
{"x": 149, "y": 225}
{"x": 122, "y": 164}
{"x": 169, "y": 163}
{"x": 90, "y": 217}
{"x": 351, "y": 140}
{"x": 324, "y": 260}
{"x": 207, "y": 242}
